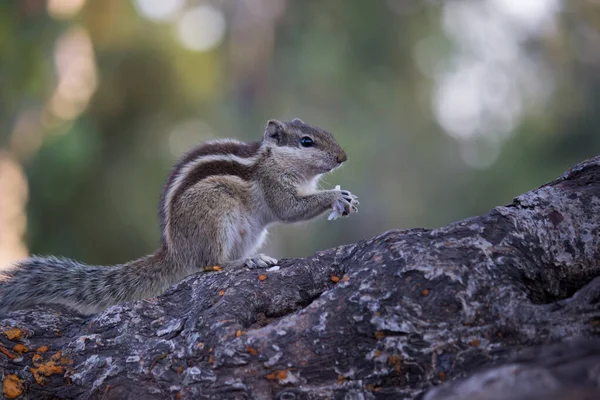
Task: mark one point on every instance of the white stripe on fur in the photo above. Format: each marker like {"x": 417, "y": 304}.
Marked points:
{"x": 191, "y": 166}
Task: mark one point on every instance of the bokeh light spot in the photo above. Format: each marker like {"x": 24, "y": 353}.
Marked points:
{"x": 64, "y": 9}
{"x": 13, "y": 220}
{"x": 159, "y": 10}
{"x": 76, "y": 70}
{"x": 201, "y": 28}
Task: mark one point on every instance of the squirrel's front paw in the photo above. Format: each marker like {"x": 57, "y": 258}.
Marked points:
{"x": 346, "y": 203}
{"x": 260, "y": 261}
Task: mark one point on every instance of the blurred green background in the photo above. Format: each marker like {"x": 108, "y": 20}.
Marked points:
{"x": 446, "y": 109}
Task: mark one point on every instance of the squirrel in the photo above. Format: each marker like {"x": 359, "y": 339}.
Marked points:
{"x": 215, "y": 209}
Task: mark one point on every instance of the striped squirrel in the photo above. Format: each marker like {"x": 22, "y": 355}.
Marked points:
{"x": 215, "y": 209}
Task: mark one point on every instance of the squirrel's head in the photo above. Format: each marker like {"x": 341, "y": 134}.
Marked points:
{"x": 308, "y": 150}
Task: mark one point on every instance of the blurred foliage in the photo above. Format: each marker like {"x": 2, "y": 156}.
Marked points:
{"x": 372, "y": 72}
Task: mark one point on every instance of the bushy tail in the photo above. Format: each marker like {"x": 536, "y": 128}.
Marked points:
{"x": 87, "y": 288}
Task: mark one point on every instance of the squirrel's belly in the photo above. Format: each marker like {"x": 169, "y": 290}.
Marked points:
{"x": 245, "y": 238}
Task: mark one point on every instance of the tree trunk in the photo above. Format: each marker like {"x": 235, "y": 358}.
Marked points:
{"x": 386, "y": 318}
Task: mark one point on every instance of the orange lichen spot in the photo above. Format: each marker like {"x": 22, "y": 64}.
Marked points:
{"x": 396, "y": 362}
{"x": 262, "y": 277}
{"x": 379, "y": 335}
{"x": 12, "y": 386}
{"x": 200, "y": 345}
{"x": 216, "y": 268}
{"x": 221, "y": 292}
{"x": 334, "y": 278}
{"x": 278, "y": 375}
{"x": 377, "y": 353}
{"x": 43, "y": 370}
{"x": 251, "y": 350}
{"x": 20, "y": 348}
{"x": 13, "y": 333}
{"x": 8, "y": 353}
{"x": 442, "y": 375}
{"x": 425, "y": 292}
{"x": 239, "y": 333}
{"x": 42, "y": 349}
{"x": 340, "y": 379}
{"x": 178, "y": 396}
{"x": 179, "y": 369}
{"x": 475, "y": 342}
{"x": 346, "y": 278}
{"x": 211, "y": 359}
{"x": 65, "y": 361}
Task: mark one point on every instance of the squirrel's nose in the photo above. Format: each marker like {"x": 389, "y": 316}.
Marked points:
{"x": 342, "y": 157}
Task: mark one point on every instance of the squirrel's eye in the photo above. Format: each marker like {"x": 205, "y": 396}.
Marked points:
{"x": 306, "y": 141}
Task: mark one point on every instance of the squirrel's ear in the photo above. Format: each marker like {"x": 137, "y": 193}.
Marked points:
{"x": 297, "y": 121}
{"x": 274, "y": 131}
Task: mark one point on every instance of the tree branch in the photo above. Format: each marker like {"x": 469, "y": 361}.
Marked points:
{"x": 391, "y": 316}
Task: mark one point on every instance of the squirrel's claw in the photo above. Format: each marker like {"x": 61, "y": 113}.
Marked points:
{"x": 260, "y": 261}
{"x": 344, "y": 205}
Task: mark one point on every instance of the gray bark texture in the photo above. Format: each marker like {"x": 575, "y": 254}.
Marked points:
{"x": 501, "y": 306}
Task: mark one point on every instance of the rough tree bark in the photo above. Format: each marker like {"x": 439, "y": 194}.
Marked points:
{"x": 389, "y": 317}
